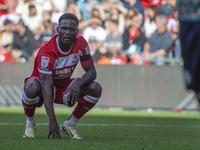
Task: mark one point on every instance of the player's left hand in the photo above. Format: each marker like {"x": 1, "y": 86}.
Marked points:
{"x": 74, "y": 93}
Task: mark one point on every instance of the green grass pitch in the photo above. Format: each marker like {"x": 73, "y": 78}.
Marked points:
{"x": 105, "y": 130}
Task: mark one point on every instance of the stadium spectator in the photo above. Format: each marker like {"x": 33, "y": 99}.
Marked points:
{"x": 3, "y": 7}
{"x": 46, "y": 16}
{"x": 73, "y": 9}
{"x": 159, "y": 44}
{"x": 11, "y": 12}
{"x": 48, "y": 33}
{"x": 11, "y": 6}
{"x": 131, "y": 12}
{"x": 5, "y": 56}
{"x": 167, "y": 8}
{"x": 112, "y": 47}
{"x": 149, "y": 23}
{"x": 117, "y": 12}
{"x": 107, "y": 4}
{"x": 6, "y": 40}
{"x": 33, "y": 20}
{"x": 86, "y": 7}
{"x": 173, "y": 19}
{"x": 58, "y": 8}
{"x": 133, "y": 53}
{"x": 113, "y": 41}
{"x": 173, "y": 28}
{"x": 134, "y": 3}
{"x": 95, "y": 29}
{"x": 23, "y": 8}
{"x": 97, "y": 12}
{"x": 23, "y": 43}
{"x": 94, "y": 49}
{"x": 134, "y": 34}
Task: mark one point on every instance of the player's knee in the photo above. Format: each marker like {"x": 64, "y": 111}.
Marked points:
{"x": 99, "y": 88}
{"x": 96, "y": 88}
{"x": 32, "y": 90}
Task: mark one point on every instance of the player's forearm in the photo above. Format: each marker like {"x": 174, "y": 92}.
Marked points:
{"x": 122, "y": 9}
{"x": 88, "y": 77}
{"x": 48, "y": 103}
{"x": 158, "y": 53}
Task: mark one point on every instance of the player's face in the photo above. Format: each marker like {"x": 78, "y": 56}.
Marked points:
{"x": 67, "y": 31}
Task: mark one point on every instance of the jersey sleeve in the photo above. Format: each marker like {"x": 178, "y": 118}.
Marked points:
{"x": 45, "y": 63}
{"x": 86, "y": 58}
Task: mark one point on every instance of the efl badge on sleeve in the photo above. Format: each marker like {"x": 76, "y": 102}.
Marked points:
{"x": 87, "y": 49}
{"x": 45, "y": 61}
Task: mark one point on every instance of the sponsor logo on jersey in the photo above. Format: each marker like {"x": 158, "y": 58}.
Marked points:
{"x": 64, "y": 73}
{"x": 45, "y": 61}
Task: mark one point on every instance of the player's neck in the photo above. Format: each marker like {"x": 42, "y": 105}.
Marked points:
{"x": 65, "y": 47}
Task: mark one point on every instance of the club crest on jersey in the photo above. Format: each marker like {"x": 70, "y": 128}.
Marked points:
{"x": 75, "y": 58}
{"x": 87, "y": 49}
{"x": 45, "y": 61}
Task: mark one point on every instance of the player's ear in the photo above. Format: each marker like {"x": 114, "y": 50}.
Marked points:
{"x": 77, "y": 31}
{"x": 57, "y": 29}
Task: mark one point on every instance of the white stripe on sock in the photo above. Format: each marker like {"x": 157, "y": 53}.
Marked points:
{"x": 91, "y": 99}
{"x": 29, "y": 101}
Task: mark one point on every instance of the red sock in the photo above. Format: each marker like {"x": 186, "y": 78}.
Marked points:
{"x": 30, "y": 105}
{"x": 84, "y": 105}
{"x": 29, "y": 110}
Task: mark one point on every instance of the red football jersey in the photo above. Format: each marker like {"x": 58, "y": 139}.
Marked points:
{"x": 53, "y": 60}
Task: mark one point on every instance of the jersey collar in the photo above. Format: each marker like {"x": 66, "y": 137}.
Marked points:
{"x": 59, "y": 49}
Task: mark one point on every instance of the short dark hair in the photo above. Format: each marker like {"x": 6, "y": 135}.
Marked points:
{"x": 156, "y": 11}
{"x": 68, "y": 16}
{"x": 31, "y": 6}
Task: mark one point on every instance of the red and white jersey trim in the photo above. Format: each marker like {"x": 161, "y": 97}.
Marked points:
{"x": 45, "y": 72}
{"x": 59, "y": 49}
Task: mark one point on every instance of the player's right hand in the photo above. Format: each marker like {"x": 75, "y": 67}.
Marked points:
{"x": 54, "y": 130}
{"x": 74, "y": 93}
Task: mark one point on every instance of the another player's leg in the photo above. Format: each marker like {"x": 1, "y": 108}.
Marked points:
{"x": 30, "y": 100}
{"x": 90, "y": 94}
{"x": 190, "y": 39}
{"x": 198, "y": 98}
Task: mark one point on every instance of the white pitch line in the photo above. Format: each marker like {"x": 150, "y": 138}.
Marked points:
{"x": 108, "y": 125}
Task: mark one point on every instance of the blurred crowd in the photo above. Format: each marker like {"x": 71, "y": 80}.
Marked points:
{"x": 136, "y": 32}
